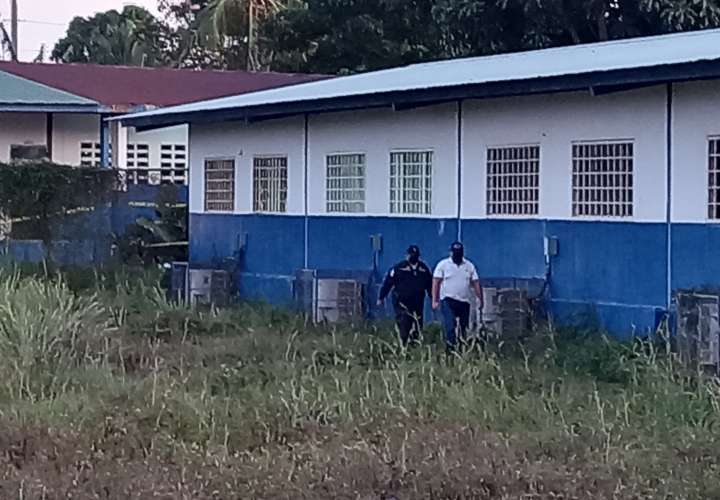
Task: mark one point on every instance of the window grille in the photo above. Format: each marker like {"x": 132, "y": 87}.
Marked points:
{"x": 714, "y": 178}
{"x": 602, "y": 179}
{"x": 270, "y": 183}
{"x": 411, "y": 182}
{"x": 90, "y": 154}
{"x": 173, "y": 163}
{"x": 345, "y": 183}
{"x": 220, "y": 185}
{"x": 513, "y": 180}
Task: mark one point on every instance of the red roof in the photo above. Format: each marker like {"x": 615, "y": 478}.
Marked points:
{"x": 122, "y": 87}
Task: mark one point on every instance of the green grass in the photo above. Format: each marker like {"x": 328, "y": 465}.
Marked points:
{"x": 130, "y": 396}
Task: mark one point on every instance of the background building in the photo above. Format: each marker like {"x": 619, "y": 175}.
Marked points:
{"x": 593, "y": 167}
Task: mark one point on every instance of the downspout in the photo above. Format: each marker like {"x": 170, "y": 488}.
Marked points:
{"x": 306, "y": 235}
{"x": 459, "y": 168}
{"x": 668, "y": 196}
{"x": 104, "y": 142}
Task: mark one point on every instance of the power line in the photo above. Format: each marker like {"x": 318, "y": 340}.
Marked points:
{"x": 47, "y": 23}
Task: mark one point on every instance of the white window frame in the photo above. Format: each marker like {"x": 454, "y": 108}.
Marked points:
{"x": 279, "y": 205}
{"x": 631, "y": 180}
{"x": 345, "y": 190}
{"x": 173, "y": 163}
{"x": 426, "y": 192}
{"x": 712, "y": 206}
{"x": 95, "y": 150}
{"x": 532, "y": 190}
{"x": 234, "y": 184}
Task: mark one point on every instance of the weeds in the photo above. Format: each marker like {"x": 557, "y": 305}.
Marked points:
{"x": 250, "y": 402}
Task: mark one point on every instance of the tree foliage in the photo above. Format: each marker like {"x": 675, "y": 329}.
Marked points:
{"x": 345, "y": 36}
{"x": 133, "y": 37}
{"x": 39, "y": 192}
{"x": 332, "y": 36}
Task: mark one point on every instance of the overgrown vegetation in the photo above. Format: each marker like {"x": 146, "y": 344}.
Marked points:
{"x": 131, "y": 396}
{"x": 160, "y": 240}
{"x": 35, "y": 195}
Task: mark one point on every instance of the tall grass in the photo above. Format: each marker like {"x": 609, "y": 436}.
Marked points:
{"x": 45, "y": 330}
{"x": 252, "y": 402}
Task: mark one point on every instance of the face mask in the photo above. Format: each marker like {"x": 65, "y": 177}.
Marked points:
{"x": 414, "y": 259}
{"x": 457, "y": 256}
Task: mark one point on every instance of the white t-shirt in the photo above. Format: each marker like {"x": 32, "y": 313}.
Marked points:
{"x": 456, "y": 280}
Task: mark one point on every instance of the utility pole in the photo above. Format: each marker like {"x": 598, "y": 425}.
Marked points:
{"x": 14, "y": 27}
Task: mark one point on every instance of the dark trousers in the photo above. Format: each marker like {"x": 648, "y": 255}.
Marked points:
{"x": 456, "y": 318}
{"x": 409, "y": 318}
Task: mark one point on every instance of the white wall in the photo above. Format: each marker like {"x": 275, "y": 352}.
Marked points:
{"x": 554, "y": 122}
{"x": 376, "y": 133}
{"x": 156, "y": 138}
{"x": 696, "y": 112}
{"x": 21, "y": 128}
{"x": 242, "y": 142}
{"x": 69, "y": 130}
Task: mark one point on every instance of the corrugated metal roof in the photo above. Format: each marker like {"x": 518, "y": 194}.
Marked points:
{"x": 658, "y": 51}
{"x": 125, "y": 87}
{"x": 20, "y": 91}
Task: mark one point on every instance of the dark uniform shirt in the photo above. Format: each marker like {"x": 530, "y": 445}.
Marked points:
{"x": 410, "y": 283}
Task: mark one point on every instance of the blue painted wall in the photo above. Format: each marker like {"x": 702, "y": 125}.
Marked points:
{"x": 85, "y": 238}
{"x": 607, "y": 274}
{"x": 696, "y": 256}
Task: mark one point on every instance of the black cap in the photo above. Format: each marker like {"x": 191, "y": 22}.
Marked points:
{"x": 457, "y": 246}
{"x": 413, "y": 250}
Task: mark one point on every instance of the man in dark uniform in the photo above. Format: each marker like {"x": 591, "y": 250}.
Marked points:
{"x": 410, "y": 281}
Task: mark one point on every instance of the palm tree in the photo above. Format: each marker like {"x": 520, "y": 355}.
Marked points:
{"x": 132, "y": 37}
{"x": 224, "y": 24}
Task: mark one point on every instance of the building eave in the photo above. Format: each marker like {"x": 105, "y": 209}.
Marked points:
{"x": 596, "y": 82}
{"x": 50, "y": 108}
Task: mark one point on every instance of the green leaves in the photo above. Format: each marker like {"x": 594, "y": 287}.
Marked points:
{"x": 36, "y": 192}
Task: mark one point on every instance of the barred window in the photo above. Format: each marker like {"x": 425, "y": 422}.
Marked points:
{"x": 345, "y": 183}
{"x": 173, "y": 163}
{"x": 411, "y": 182}
{"x": 513, "y": 180}
{"x": 138, "y": 156}
{"x": 220, "y": 185}
{"x": 602, "y": 179}
{"x": 90, "y": 154}
{"x": 714, "y": 178}
{"x": 270, "y": 183}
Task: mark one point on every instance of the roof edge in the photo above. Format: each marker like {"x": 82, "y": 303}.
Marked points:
{"x": 621, "y": 78}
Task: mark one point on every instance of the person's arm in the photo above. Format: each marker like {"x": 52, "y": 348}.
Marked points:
{"x": 428, "y": 283}
{"x": 438, "y": 276}
{"x": 436, "y": 282}
{"x": 387, "y": 285}
{"x": 477, "y": 287}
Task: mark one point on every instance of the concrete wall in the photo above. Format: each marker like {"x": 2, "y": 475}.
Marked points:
{"x": 69, "y": 130}
{"x": 21, "y": 128}
{"x": 600, "y": 258}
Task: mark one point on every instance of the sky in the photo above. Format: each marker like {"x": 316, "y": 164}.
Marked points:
{"x": 45, "y": 21}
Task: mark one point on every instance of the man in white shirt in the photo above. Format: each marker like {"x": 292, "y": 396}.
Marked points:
{"x": 454, "y": 281}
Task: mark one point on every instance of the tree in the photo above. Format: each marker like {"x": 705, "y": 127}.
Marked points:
{"x": 220, "y": 33}
{"x": 133, "y": 37}
{"x": 341, "y": 36}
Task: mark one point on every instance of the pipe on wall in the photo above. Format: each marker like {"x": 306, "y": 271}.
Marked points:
{"x": 668, "y": 196}
{"x": 306, "y": 220}
{"x": 459, "y": 168}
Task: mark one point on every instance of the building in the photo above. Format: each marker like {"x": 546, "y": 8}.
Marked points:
{"x": 595, "y": 167}
{"x": 57, "y": 111}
